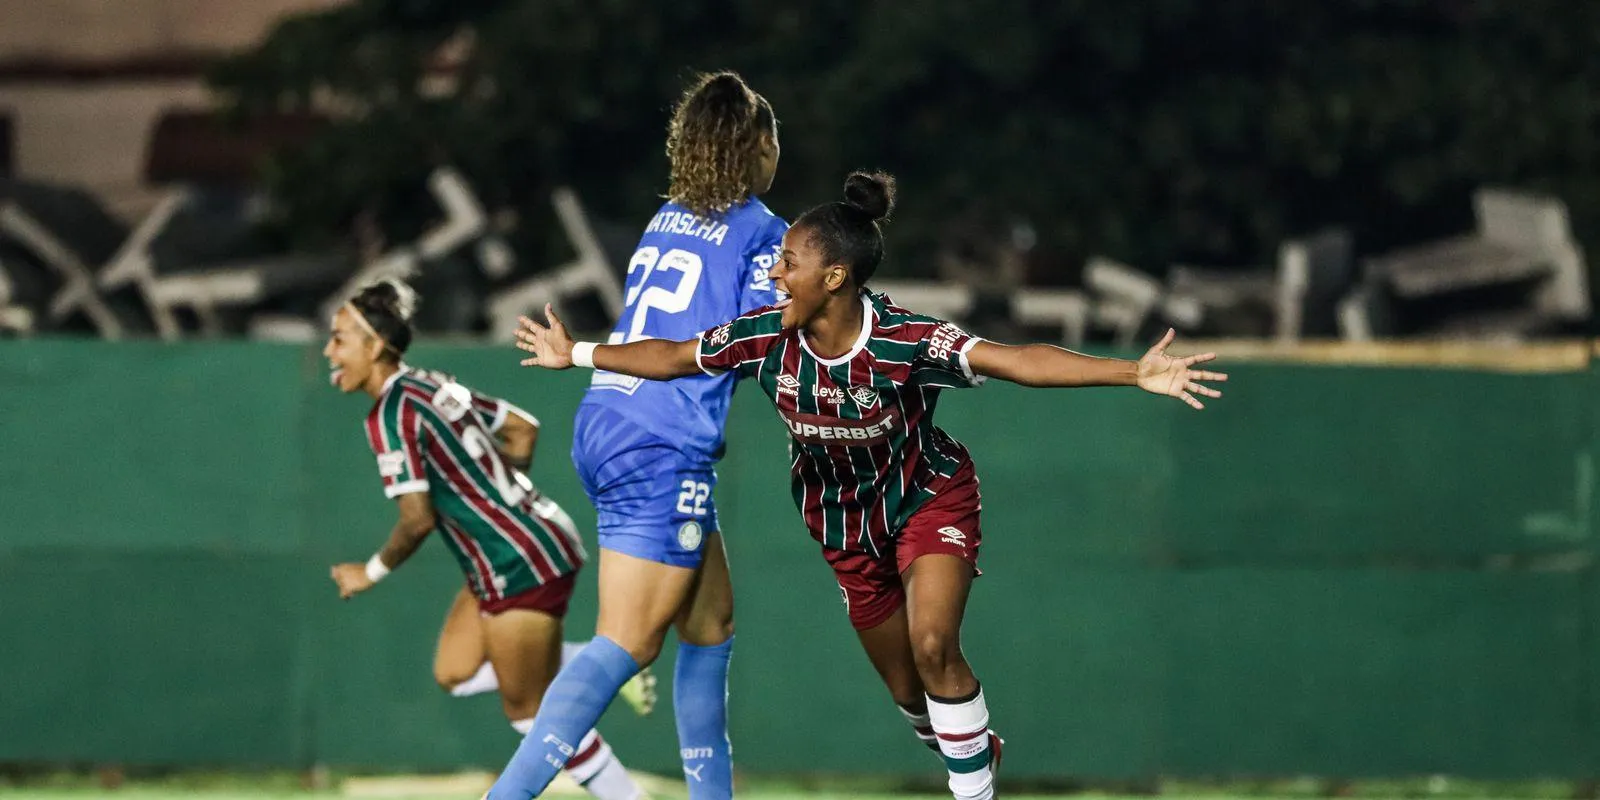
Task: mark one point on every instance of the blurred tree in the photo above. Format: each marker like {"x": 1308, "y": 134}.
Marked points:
{"x": 1152, "y": 131}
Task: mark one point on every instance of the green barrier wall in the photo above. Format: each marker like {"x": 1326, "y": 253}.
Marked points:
{"x": 1339, "y": 571}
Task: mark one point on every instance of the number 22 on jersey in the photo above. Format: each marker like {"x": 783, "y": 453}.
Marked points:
{"x": 644, "y": 299}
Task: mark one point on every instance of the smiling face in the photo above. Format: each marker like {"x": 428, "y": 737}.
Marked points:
{"x": 801, "y": 272}
{"x": 352, "y": 352}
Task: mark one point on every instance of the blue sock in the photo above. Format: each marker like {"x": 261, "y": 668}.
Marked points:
{"x": 700, "y": 702}
{"x": 573, "y": 704}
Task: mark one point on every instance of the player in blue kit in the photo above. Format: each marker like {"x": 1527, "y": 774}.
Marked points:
{"x": 645, "y": 450}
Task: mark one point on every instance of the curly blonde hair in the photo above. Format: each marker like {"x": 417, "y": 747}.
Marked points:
{"x": 714, "y": 140}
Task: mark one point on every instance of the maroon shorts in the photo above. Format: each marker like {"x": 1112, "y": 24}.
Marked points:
{"x": 946, "y": 524}
{"x": 551, "y": 598}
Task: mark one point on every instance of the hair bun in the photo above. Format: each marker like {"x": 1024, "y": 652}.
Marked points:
{"x": 394, "y": 296}
{"x": 871, "y": 192}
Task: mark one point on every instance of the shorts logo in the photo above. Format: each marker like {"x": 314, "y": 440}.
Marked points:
{"x": 789, "y": 384}
{"x": 865, "y": 396}
{"x": 690, "y": 535}
{"x": 954, "y": 536}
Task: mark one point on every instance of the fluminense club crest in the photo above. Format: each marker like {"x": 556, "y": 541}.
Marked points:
{"x": 865, "y": 396}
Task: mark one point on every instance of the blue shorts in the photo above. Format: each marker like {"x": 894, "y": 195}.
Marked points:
{"x": 653, "y": 501}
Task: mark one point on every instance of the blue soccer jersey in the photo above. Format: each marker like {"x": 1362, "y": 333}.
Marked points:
{"x": 689, "y": 274}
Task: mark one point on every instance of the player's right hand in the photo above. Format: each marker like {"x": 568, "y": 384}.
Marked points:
{"x": 550, "y": 345}
{"x": 351, "y": 578}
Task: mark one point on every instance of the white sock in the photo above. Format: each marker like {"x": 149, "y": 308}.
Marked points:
{"x": 522, "y": 726}
{"x": 570, "y": 649}
{"x": 596, "y": 768}
{"x": 920, "y": 724}
{"x": 484, "y": 680}
{"x": 963, "y": 731}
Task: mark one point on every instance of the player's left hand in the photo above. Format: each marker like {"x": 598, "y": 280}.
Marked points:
{"x": 351, "y": 578}
{"x": 1167, "y": 375}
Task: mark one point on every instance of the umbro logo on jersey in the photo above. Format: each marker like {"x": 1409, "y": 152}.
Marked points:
{"x": 865, "y": 396}
{"x": 950, "y": 535}
{"x": 789, "y": 384}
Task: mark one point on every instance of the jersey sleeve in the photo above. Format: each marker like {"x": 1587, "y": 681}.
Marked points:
{"x": 757, "y": 290}
{"x": 740, "y": 345}
{"x": 941, "y": 358}
{"x": 493, "y": 412}
{"x": 396, "y": 434}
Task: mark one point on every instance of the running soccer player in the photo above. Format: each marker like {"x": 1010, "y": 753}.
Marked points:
{"x": 892, "y": 499}
{"x": 645, "y": 450}
{"x": 438, "y": 455}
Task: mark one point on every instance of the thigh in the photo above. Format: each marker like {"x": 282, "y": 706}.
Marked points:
{"x": 707, "y": 615}
{"x": 524, "y": 646}
{"x": 461, "y": 648}
{"x": 639, "y": 599}
{"x": 888, "y": 647}
{"x": 937, "y": 586}
{"x": 870, "y": 586}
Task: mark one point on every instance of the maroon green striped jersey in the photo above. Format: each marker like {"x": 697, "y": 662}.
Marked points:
{"x": 865, "y": 452}
{"x": 431, "y": 434}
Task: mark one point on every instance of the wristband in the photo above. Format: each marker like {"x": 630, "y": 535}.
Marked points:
{"x": 375, "y": 568}
{"x": 583, "y": 354}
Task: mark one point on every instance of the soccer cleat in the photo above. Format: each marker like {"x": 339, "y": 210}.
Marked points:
{"x": 640, "y": 692}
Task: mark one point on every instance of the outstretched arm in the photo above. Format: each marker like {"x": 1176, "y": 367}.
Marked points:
{"x": 1047, "y": 365}
{"x": 655, "y": 359}
{"x": 417, "y": 520}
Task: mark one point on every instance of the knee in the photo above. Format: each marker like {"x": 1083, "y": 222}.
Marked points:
{"x": 518, "y": 708}
{"x": 935, "y": 650}
{"x": 448, "y": 679}
{"x": 708, "y": 630}
{"x": 519, "y": 702}
{"x": 644, "y": 646}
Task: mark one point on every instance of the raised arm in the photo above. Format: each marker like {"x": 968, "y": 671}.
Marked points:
{"x": 655, "y": 359}
{"x": 1047, "y": 365}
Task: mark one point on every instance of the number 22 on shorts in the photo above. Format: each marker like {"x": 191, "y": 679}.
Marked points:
{"x": 692, "y": 498}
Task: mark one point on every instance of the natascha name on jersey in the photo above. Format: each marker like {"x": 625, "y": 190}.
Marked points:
{"x": 682, "y": 222}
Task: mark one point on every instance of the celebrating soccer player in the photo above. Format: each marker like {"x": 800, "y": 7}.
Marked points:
{"x": 452, "y": 460}
{"x": 645, "y": 449}
{"x": 892, "y": 499}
